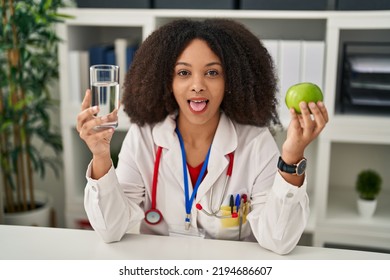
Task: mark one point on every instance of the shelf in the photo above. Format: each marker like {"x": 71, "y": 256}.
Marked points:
{"x": 358, "y": 129}
{"x": 82, "y": 37}
{"x": 344, "y": 226}
{"x": 342, "y": 212}
{"x": 348, "y": 159}
{"x": 311, "y": 29}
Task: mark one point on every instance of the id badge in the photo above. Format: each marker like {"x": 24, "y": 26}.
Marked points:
{"x": 179, "y": 230}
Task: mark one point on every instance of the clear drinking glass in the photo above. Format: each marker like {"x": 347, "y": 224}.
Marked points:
{"x": 104, "y": 81}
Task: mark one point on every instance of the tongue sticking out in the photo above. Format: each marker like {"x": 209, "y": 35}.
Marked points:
{"x": 198, "y": 106}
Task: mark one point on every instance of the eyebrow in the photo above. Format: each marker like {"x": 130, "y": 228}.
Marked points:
{"x": 189, "y": 65}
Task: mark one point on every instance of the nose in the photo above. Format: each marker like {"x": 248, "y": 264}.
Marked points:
{"x": 197, "y": 90}
{"x": 198, "y": 84}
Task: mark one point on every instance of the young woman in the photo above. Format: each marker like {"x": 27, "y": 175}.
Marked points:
{"x": 198, "y": 158}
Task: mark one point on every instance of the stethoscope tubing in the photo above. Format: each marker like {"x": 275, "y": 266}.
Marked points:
{"x": 233, "y": 215}
{"x": 153, "y": 216}
{"x": 228, "y": 174}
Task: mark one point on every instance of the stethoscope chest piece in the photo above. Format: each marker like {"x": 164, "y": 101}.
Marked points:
{"x": 153, "y": 216}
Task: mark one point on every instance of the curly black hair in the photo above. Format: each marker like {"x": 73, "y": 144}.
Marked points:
{"x": 250, "y": 80}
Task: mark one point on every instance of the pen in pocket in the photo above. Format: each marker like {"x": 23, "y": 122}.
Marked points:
{"x": 231, "y": 204}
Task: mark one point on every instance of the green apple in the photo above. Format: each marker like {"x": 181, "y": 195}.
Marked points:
{"x": 307, "y": 92}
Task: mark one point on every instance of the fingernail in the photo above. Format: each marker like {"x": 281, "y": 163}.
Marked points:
{"x": 312, "y": 105}
{"x": 94, "y": 109}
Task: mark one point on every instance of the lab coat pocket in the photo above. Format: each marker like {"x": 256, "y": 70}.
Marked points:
{"x": 233, "y": 219}
{"x": 234, "y": 226}
{"x": 229, "y": 219}
{"x": 231, "y": 229}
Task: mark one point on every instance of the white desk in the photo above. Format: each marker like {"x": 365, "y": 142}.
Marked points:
{"x": 27, "y": 243}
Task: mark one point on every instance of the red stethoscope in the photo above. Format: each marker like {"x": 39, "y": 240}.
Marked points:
{"x": 153, "y": 216}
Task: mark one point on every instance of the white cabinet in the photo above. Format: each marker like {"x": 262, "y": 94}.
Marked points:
{"x": 351, "y": 143}
{"x": 348, "y": 144}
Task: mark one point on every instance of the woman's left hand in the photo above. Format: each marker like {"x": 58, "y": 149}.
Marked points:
{"x": 303, "y": 129}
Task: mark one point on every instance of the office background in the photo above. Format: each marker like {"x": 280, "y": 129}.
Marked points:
{"x": 354, "y": 141}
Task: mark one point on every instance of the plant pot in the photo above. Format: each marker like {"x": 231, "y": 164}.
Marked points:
{"x": 40, "y": 216}
{"x": 366, "y": 208}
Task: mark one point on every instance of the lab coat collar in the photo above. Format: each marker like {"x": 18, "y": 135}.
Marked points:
{"x": 164, "y": 134}
{"x": 224, "y": 142}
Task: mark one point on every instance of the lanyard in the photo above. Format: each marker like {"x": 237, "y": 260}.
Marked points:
{"x": 190, "y": 200}
{"x": 153, "y": 216}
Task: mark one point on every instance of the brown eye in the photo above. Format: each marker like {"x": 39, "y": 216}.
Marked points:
{"x": 212, "y": 73}
{"x": 183, "y": 73}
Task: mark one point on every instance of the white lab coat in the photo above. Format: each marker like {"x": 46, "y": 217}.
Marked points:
{"x": 117, "y": 201}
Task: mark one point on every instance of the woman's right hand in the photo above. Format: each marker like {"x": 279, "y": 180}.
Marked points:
{"x": 98, "y": 141}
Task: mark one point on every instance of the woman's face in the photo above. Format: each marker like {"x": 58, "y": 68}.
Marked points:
{"x": 198, "y": 83}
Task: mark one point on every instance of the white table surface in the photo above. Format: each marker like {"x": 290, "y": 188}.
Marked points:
{"x": 28, "y": 243}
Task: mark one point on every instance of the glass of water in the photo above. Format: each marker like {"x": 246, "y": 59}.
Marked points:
{"x": 104, "y": 81}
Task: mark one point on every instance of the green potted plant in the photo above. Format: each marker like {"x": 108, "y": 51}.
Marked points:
{"x": 28, "y": 68}
{"x": 368, "y": 186}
